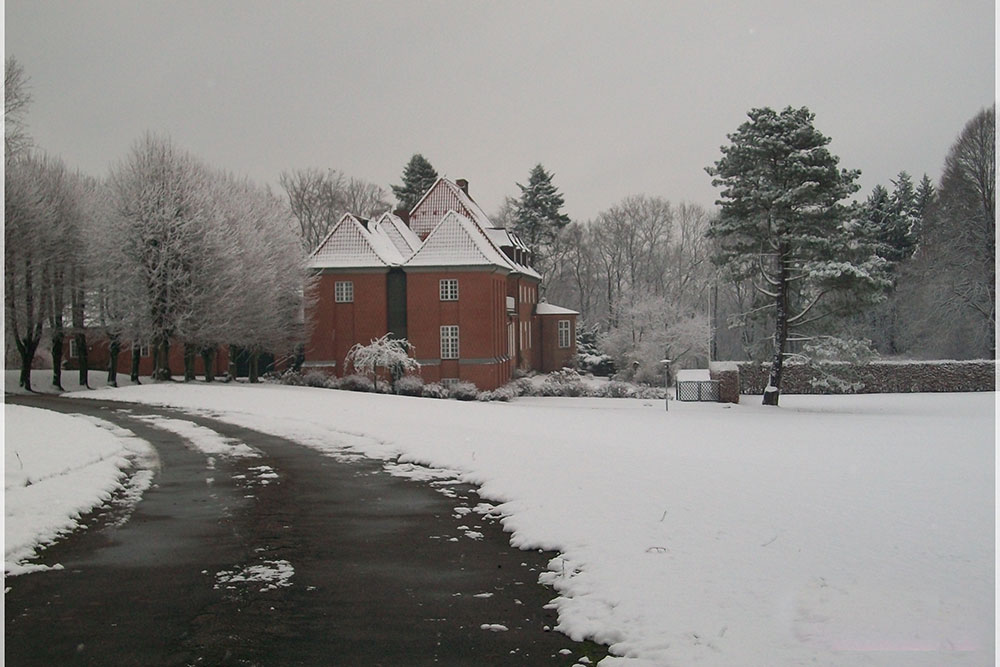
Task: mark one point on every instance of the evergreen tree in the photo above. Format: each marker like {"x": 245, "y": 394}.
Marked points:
{"x": 784, "y": 225}
{"x": 418, "y": 177}
{"x": 537, "y": 216}
{"x": 906, "y": 219}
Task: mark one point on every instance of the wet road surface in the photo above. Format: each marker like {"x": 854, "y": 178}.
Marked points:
{"x": 289, "y": 558}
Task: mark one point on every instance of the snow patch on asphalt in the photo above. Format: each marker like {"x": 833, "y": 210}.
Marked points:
{"x": 269, "y": 574}
{"x": 202, "y": 438}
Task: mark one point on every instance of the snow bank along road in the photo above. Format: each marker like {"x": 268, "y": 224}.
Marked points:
{"x": 250, "y": 550}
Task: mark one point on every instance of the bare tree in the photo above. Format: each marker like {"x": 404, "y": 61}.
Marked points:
{"x": 35, "y": 251}
{"x": 161, "y": 197}
{"x": 949, "y": 295}
{"x": 15, "y": 106}
{"x": 318, "y": 199}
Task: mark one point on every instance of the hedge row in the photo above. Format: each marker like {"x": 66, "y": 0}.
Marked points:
{"x": 877, "y": 377}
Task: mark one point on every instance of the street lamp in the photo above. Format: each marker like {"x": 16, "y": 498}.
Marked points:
{"x": 666, "y": 383}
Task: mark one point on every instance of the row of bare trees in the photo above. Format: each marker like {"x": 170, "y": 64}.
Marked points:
{"x": 164, "y": 250}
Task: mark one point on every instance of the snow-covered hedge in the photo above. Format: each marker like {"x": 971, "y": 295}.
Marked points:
{"x": 876, "y": 377}
{"x": 566, "y": 382}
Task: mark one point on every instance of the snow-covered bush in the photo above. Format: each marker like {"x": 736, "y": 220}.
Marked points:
{"x": 463, "y": 391}
{"x": 316, "y": 379}
{"x": 566, "y": 382}
{"x": 410, "y": 385}
{"x": 355, "y": 383}
{"x": 589, "y": 358}
{"x": 504, "y": 394}
{"x": 615, "y": 389}
{"x": 522, "y": 387}
{"x": 289, "y": 377}
{"x": 434, "y": 390}
{"x": 392, "y": 354}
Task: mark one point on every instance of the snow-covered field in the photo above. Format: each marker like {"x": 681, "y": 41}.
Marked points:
{"x": 837, "y": 530}
{"x": 57, "y": 467}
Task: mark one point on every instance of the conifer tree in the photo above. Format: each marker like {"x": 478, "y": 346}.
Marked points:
{"x": 783, "y": 224}
{"x": 537, "y": 216}
{"x": 418, "y": 177}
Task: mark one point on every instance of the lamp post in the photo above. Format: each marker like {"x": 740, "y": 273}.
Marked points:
{"x": 666, "y": 383}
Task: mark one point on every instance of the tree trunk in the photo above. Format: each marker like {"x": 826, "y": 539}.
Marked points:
{"x": 208, "y": 361}
{"x": 27, "y": 349}
{"x": 136, "y": 356}
{"x": 77, "y": 308}
{"x": 254, "y": 360}
{"x": 57, "y": 358}
{"x": 189, "y": 356}
{"x": 773, "y": 389}
{"x": 114, "y": 349}
{"x": 231, "y": 367}
{"x": 299, "y": 359}
{"x": 81, "y": 355}
{"x": 161, "y": 360}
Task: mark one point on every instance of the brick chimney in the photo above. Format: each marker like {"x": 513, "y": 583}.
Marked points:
{"x": 464, "y": 184}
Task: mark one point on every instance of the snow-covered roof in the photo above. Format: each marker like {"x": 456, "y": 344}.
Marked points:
{"x": 545, "y": 308}
{"x": 350, "y": 245}
{"x": 457, "y": 241}
{"x": 693, "y": 375}
{"x": 445, "y": 190}
{"x": 388, "y": 241}
{"x": 401, "y": 236}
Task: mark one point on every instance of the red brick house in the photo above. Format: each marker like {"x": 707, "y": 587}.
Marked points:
{"x": 461, "y": 290}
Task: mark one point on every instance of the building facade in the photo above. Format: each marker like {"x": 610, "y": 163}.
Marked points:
{"x": 459, "y": 289}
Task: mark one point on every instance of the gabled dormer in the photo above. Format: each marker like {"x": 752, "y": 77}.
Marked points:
{"x": 351, "y": 245}
{"x": 457, "y": 241}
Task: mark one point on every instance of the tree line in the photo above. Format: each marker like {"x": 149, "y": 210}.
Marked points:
{"x": 164, "y": 250}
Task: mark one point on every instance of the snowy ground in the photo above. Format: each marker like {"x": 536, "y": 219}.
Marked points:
{"x": 57, "y": 467}
{"x": 841, "y": 530}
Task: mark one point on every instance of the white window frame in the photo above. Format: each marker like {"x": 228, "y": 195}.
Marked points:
{"x": 449, "y": 341}
{"x": 448, "y": 289}
{"x": 144, "y": 350}
{"x": 450, "y": 382}
{"x": 343, "y": 291}
{"x": 565, "y": 329}
{"x": 73, "y": 352}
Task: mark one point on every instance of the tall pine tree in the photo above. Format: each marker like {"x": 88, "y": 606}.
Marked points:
{"x": 784, "y": 225}
{"x": 418, "y": 177}
{"x": 537, "y": 216}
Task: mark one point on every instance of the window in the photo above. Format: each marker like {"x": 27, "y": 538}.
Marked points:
{"x": 73, "y": 352}
{"x": 449, "y": 382}
{"x": 144, "y": 350}
{"x": 449, "y": 289}
{"x": 449, "y": 341}
{"x": 343, "y": 291}
{"x": 564, "y": 333}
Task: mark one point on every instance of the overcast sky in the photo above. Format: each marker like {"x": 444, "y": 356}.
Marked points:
{"x": 614, "y": 98}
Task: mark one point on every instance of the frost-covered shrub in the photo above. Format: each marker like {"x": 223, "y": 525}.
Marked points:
{"x": 434, "y": 390}
{"x": 316, "y": 379}
{"x": 615, "y": 389}
{"x": 589, "y": 357}
{"x": 463, "y": 391}
{"x": 522, "y": 387}
{"x": 355, "y": 383}
{"x": 410, "y": 385}
{"x": 504, "y": 393}
{"x": 566, "y": 382}
{"x": 291, "y": 378}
